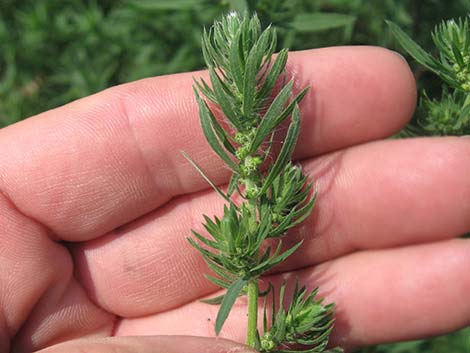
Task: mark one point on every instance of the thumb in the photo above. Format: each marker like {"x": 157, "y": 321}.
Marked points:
{"x": 149, "y": 344}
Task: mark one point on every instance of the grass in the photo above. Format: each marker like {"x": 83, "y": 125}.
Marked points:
{"x": 55, "y": 51}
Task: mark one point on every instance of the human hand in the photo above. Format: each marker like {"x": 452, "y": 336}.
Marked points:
{"x": 96, "y": 203}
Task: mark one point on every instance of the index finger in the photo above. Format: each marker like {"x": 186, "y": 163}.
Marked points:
{"x": 100, "y": 162}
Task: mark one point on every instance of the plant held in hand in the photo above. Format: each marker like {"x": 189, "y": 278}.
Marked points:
{"x": 244, "y": 76}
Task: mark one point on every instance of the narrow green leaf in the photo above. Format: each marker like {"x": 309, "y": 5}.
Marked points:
{"x": 222, "y": 135}
{"x": 206, "y": 119}
{"x": 268, "y": 123}
{"x": 264, "y": 258}
{"x": 274, "y": 73}
{"x": 213, "y": 301}
{"x": 317, "y": 349}
{"x": 253, "y": 28}
{"x": 321, "y": 339}
{"x": 223, "y": 99}
{"x": 281, "y": 295}
{"x": 264, "y": 226}
{"x": 249, "y": 86}
{"x": 206, "y": 241}
{"x": 276, "y": 120}
{"x": 220, "y": 271}
{"x": 281, "y": 229}
{"x": 265, "y": 314}
{"x": 232, "y": 184}
{"x": 206, "y": 178}
{"x": 217, "y": 281}
{"x": 457, "y": 55}
{"x": 286, "y": 150}
{"x": 286, "y": 112}
{"x": 209, "y": 256}
{"x": 236, "y": 62}
{"x": 207, "y": 50}
{"x": 273, "y": 306}
{"x": 227, "y": 303}
{"x": 265, "y": 66}
{"x": 418, "y": 53}
{"x": 301, "y": 214}
{"x": 253, "y": 63}
{"x": 272, "y": 44}
{"x": 205, "y": 89}
{"x": 284, "y": 255}
{"x": 264, "y": 265}
{"x": 212, "y": 228}
{"x": 280, "y": 333}
{"x": 267, "y": 150}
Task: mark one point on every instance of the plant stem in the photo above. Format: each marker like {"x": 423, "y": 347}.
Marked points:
{"x": 252, "y": 333}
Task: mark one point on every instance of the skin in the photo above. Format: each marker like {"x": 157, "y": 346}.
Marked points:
{"x": 96, "y": 202}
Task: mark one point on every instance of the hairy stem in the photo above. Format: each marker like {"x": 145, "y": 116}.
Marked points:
{"x": 252, "y": 333}
{"x": 251, "y": 336}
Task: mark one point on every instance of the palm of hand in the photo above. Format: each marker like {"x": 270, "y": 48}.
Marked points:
{"x": 97, "y": 203}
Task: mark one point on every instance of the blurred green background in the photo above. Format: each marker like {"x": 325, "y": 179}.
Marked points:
{"x": 55, "y": 51}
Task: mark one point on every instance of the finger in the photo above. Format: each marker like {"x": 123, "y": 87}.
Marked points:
{"x": 40, "y": 300}
{"x": 387, "y": 194}
{"x": 88, "y": 167}
{"x": 380, "y": 295}
{"x": 154, "y": 344}
{"x": 380, "y": 195}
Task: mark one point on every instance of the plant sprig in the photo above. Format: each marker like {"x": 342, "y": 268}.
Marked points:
{"x": 248, "y": 85}
{"x": 306, "y": 322}
{"x": 449, "y": 115}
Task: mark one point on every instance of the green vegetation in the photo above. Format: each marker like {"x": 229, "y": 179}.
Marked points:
{"x": 55, "y": 51}
{"x": 243, "y": 74}
{"x": 450, "y": 113}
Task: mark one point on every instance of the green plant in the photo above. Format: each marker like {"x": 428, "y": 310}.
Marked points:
{"x": 245, "y": 76}
{"x": 54, "y": 51}
{"x": 449, "y": 114}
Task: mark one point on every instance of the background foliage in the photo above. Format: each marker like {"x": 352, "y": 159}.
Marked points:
{"x": 55, "y": 51}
